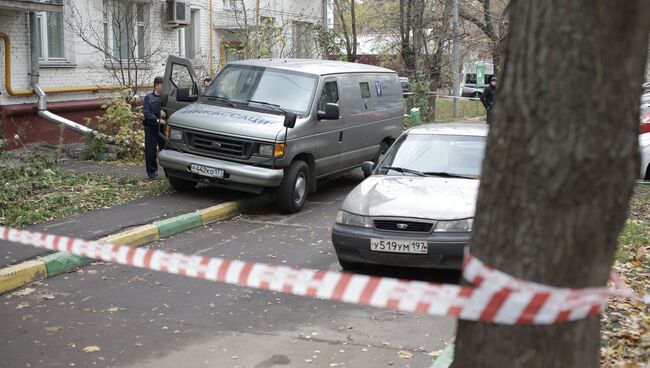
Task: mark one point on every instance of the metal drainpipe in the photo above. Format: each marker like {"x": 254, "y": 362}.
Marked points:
{"x": 34, "y": 40}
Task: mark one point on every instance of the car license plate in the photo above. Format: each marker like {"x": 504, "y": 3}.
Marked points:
{"x": 398, "y": 246}
{"x": 207, "y": 171}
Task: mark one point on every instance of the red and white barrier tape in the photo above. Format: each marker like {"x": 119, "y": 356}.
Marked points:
{"x": 498, "y": 297}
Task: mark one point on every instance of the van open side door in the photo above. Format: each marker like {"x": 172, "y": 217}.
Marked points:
{"x": 181, "y": 86}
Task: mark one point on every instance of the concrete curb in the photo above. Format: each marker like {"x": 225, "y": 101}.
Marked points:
{"x": 21, "y": 274}
{"x": 15, "y": 276}
{"x": 446, "y": 358}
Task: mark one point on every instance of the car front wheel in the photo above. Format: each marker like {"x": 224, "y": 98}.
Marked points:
{"x": 293, "y": 189}
{"x": 348, "y": 266}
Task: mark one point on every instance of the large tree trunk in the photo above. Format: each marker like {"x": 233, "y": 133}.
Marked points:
{"x": 559, "y": 169}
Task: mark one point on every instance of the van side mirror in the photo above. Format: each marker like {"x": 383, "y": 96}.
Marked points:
{"x": 183, "y": 95}
{"x": 367, "y": 167}
{"x": 331, "y": 112}
{"x": 290, "y": 120}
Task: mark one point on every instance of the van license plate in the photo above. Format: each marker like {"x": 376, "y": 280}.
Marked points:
{"x": 207, "y": 171}
{"x": 398, "y": 246}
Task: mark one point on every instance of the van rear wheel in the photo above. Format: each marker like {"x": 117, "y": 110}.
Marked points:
{"x": 293, "y": 189}
{"x": 181, "y": 185}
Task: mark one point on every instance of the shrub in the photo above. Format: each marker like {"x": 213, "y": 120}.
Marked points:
{"x": 124, "y": 122}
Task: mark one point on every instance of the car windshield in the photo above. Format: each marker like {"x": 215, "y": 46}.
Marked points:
{"x": 242, "y": 84}
{"x": 434, "y": 155}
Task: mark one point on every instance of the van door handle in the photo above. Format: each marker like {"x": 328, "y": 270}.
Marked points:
{"x": 340, "y": 136}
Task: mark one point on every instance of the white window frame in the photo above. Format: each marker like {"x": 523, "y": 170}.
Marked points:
{"x": 232, "y": 4}
{"x": 138, "y": 27}
{"x": 41, "y": 19}
{"x": 195, "y": 28}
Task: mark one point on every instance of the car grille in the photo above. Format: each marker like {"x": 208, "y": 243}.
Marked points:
{"x": 403, "y": 226}
{"x": 219, "y": 145}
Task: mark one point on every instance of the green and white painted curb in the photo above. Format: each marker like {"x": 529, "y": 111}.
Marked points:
{"x": 446, "y": 357}
{"x": 15, "y": 276}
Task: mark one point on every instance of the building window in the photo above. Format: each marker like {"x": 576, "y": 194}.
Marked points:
{"x": 124, "y": 29}
{"x": 231, "y": 4}
{"x": 50, "y": 30}
{"x": 189, "y": 37}
{"x": 302, "y": 40}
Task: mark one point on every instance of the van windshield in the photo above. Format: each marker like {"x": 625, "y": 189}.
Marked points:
{"x": 241, "y": 84}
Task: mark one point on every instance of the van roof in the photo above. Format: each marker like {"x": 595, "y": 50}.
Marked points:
{"x": 318, "y": 67}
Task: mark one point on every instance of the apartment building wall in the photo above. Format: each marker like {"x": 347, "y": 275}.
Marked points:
{"x": 84, "y": 63}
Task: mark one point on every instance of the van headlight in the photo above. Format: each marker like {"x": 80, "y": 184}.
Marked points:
{"x": 455, "y": 226}
{"x": 175, "y": 134}
{"x": 265, "y": 150}
{"x": 347, "y": 218}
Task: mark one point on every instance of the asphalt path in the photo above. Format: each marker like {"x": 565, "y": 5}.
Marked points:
{"x": 95, "y": 224}
{"x": 127, "y": 317}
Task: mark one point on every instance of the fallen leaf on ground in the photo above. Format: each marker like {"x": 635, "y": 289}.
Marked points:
{"x": 404, "y": 354}
{"x": 92, "y": 349}
{"x": 54, "y": 328}
{"x": 435, "y": 353}
{"x": 24, "y": 292}
{"x": 48, "y": 296}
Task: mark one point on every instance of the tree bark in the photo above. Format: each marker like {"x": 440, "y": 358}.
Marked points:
{"x": 559, "y": 170}
{"x": 407, "y": 50}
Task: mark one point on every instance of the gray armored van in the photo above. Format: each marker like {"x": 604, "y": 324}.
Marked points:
{"x": 277, "y": 124}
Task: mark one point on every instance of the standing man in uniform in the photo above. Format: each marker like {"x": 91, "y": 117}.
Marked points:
{"x": 153, "y": 120}
{"x": 488, "y": 97}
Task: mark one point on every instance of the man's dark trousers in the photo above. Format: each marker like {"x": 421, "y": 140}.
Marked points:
{"x": 152, "y": 141}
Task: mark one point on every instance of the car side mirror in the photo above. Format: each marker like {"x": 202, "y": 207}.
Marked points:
{"x": 183, "y": 95}
{"x": 331, "y": 112}
{"x": 367, "y": 167}
{"x": 290, "y": 120}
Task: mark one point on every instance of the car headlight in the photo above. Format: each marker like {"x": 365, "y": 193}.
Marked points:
{"x": 347, "y": 218}
{"x": 456, "y": 226}
{"x": 175, "y": 134}
{"x": 265, "y": 150}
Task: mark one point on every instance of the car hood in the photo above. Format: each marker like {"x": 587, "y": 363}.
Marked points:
{"x": 411, "y": 196}
{"x": 230, "y": 121}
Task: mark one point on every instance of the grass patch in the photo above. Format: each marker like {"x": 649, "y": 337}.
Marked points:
{"x": 625, "y": 325}
{"x": 36, "y": 190}
{"x": 467, "y": 109}
{"x": 636, "y": 233}
{"x": 632, "y": 238}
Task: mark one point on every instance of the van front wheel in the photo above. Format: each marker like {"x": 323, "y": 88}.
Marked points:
{"x": 292, "y": 192}
{"x": 181, "y": 185}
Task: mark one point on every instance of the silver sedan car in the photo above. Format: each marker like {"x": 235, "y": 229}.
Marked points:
{"x": 416, "y": 208}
